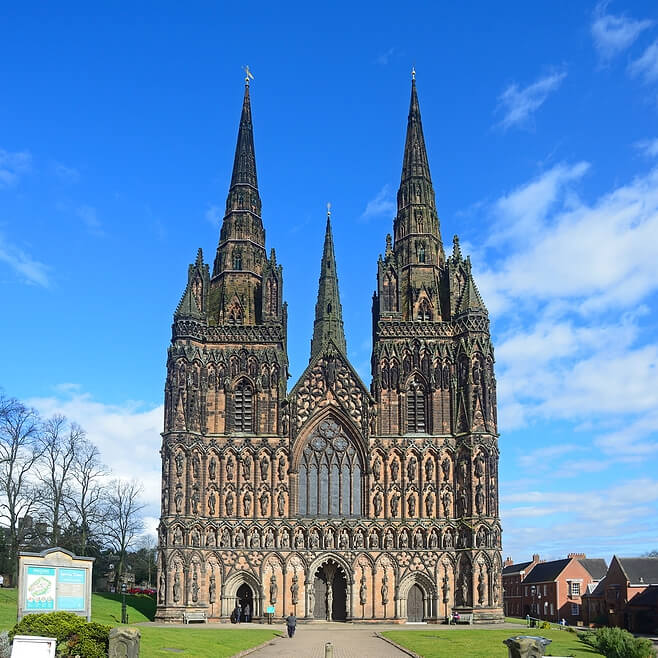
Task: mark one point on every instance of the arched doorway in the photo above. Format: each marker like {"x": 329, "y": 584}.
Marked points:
{"x": 415, "y": 608}
{"x": 245, "y": 598}
{"x": 330, "y": 593}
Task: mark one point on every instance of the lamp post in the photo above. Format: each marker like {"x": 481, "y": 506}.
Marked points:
{"x": 533, "y": 591}
{"x": 124, "y": 613}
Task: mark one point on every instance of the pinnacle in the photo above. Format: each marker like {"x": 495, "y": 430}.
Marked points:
{"x": 244, "y": 165}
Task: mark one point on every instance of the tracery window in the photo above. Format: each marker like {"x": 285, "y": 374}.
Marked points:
{"x": 243, "y": 410}
{"x": 416, "y": 420}
{"x": 329, "y": 474}
{"x": 237, "y": 260}
{"x": 424, "y": 312}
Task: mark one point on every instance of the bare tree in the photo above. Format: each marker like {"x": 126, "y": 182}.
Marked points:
{"x": 123, "y": 521}
{"x": 61, "y": 443}
{"x": 20, "y": 450}
{"x": 85, "y": 507}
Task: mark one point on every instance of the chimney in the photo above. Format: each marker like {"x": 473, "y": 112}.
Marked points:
{"x": 578, "y": 556}
{"x": 508, "y": 562}
{"x": 535, "y": 557}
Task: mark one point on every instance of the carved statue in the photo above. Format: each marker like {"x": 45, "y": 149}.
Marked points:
{"x": 239, "y": 539}
{"x": 329, "y": 538}
{"x": 285, "y": 539}
{"x": 384, "y": 589}
{"x": 195, "y": 500}
{"x": 281, "y": 504}
{"x": 285, "y": 421}
{"x": 411, "y": 505}
{"x": 373, "y": 420}
{"x": 492, "y": 499}
{"x": 330, "y": 601}
{"x": 418, "y": 539}
{"x": 196, "y": 464}
{"x": 447, "y": 539}
{"x": 246, "y": 504}
{"x": 404, "y": 539}
{"x": 299, "y": 539}
{"x": 462, "y": 502}
{"x": 274, "y": 589}
{"x": 212, "y": 499}
{"x": 378, "y": 505}
{"x": 176, "y": 588}
{"x": 446, "y": 500}
{"x": 429, "y": 505}
{"x": 358, "y": 539}
{"x": 411, "y": 469}
{"x": 495, "y": 588}
{"x": 195, "y": 538}
{"x": 179, "y": 464}
{"x": 178, "y": 500}
{"x": 315, "y": 540}
{"x": 311, "y": 596}
{"x": 479, "y": 466}
{"x": 246, "y": 467}
{"x": 463, "y": 589}
{"x": 344, "y": 539}
{"x": 269, "y": 538}
{"x": 229, "y": 504}
{"x": 446, "y": 587}
{"x": 445, "y": 467}
{"x": 389, "y": 539}
{"x": 429, "y": 470}
{"x": 255, "y": 539}
{"x": 264, "y": 468}
{"x": 481, "y": 586}
{"x": 212, "y": 589}
{"x": 210, "y": 538}
{"x": 395, "y": 469}
{"x": 377, "y": 468}
{"x": 195, "y": 587}
{"x": 434, "y": 540}
{"x": 282, "y": 469}
{"x": 212, "y": 468}
{"x": 162, "y": 589}
{"x": 374, "y": 540}
{"x": 229, "y": 468}
{"x": 178, "y": 536}
{"x": 264, "y": 503}
{"x": 363, "y": 590}
{"x": 479, "y": 499}
{"x": 224, "y": 540}
{"x": 395, "y": 501}
{"x": 294, "y": 589}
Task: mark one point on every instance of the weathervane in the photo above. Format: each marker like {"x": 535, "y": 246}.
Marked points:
{"x": 248, "y": 75}
{"x": 413, "y": 72}
{"x": 328, "y": 209}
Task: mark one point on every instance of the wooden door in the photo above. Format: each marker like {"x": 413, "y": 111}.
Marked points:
{"x": 415, "y": 604}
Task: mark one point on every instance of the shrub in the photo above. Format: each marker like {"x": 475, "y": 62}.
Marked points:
{"x": 75, "y": 636}
{"x": 618, "y": 643}
{"x": 544, "y": 625}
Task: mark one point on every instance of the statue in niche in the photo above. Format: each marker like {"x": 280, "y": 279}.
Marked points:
{"x": 246, "y": 467}
{"x": 311, "y": 595}
{"x": 285, "y": 539}
{"x": 282, "y": 469}
{"x": 212, "y": 499}
{"x": 294, "y": 589}
{"x": 418, "y": 539}
{"x": 195, "y": 587}
{"x": 281, "y": 504}
{"x": 363, "y": 590}
{"x": 446, "y": 500}
{"x": 389, "y": 540}
{"x": 378, "y": 504}
{"x": 224, "y": 540}
{"x": 384, "y": 589}
{"x": 179, "y": 464}
{"x": 445, "y": 467}
{"x": 395, "y": 501}
{"x": 492, "y": 498}
{"x": 210, "y": 538}
{"x": 446, "y": 587}
{"x": 269, "y": 538}
{"x": 462, "y": 502}
{"x": 358, "y": 539}
{"x": 377, "y": 468}
{"x": 196, "y": 465}
{"x": 330, "y": 601}
{"x": 229, "y": 504}
{"x": 429, "y": 470}
{"x": 195, "y": 538}
{"x": 411, "y": 469}
{"x": 344, "y": 540}
{"x": 264, "y": 503}
{"x": 463, "y": 471}
{"x": 246, "y": 504}
{"x": 329, "y": 538}
{"x": 315, "y": 540}
{"x": 479, "y": 466}
{"x": 447, "y": 539}
{"x": 434, "y": 540}
{"x": 374, "y": 540}
{"x": 229, "y": 468}
{"x": 162, "y": 588}
{"x": 165, "y": 500}
{"x": 195, "y": 500}
{"x": 495, "y": 589}
{"x": 429, "y": 505}
{"x": 264, "y": 468}
{"x": 479, "y": 499}
{"x": 178, "y": 536}
{"x": 285, "y": 420}
{"x": 481, "y": 586}
{"x": 463, "y": 589}
{"x": 212, "y": 589}
{"x": 176, "y": 588}
{"x": 212, "y": 468}
{"x": 299, "y": 539}
{"x": 178, "y": 501}
{"x": 255, "y": 539}
{"x": 404, "y": 539}
{"x": 239, "y": 539}
{"x": 395, "y": 469}
{"x": 411, "y": 505}
{"x": 274, "y": 588}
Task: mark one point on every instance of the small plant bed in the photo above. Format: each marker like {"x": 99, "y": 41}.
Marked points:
{"x": 211, "y": 643}
{"x": 481, "y": 643}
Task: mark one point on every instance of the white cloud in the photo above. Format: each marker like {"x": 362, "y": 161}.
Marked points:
{"x": 12, "y": 166}
{"x": 613, "y": 34}
{"x": 385, "y": 57}
{"x": 67, "y": 174}
{"x": 517, "y": 105}
{"x": 213, "y": 215}
{"x": 646, "y": 66}
{"x": 127, "y": 435}
{"x": 649, "y": 147}
{"x": 382, "y": 204}
{"x": 89, "y": 216}
{"x": 32, "y": 271}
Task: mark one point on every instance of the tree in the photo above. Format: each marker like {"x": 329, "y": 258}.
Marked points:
{"x": 20, "y": 450}
{"x": 85, "y": 498}
{"x": 61, "y": 443}
{"x": 144, "y": 560}
{"x": 653, "y": 553}
{"x": 123, "y": 521}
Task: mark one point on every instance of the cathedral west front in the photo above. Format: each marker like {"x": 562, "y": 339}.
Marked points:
{"x": 336, "y": 500}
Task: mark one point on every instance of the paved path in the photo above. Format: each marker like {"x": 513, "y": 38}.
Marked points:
{"x": 309, "y": 642}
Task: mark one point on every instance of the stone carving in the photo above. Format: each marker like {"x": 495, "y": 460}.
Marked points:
{"x": 363, "y": 590}
{"x": 285, "y": 539}
{"x": 176, "y": 589}
{"x": 377, "y": 468}
{"x": 212, "y": 589}
{"x": 196, "y": 466}
{"x": 411, "y": 469}
{"x": 445, "y": 467}
{"x": 179, "y": 464}
{"x": 280, "y": 504}
{"x": 384, "y": 589}
{"x": 123, "y": 643}
{"x": 330, "y": 601}
{"x": 246, "y": 467}
{"x": 195, "y": 538}
{"x": 395, "y": 469}
{"x": 210, "y": 538}
{"x": 195, "y": 500}
{"x": 274, "y": 589}
{"x": 311, "y": 595}
{"x": 429, "y": 505}
{"x": 264, "y": 468}
{"x": 446, "y": 501}
{"x": 429, "y": 470}
{"x": 178, "y": 501}
{"x": 212, "y": 468}
{"x": 411, "y": 505}
{"x": 178, "y": 536}
{"x": 481, "y": 586}
{"x": 229, "y": 469}
{"x": 162, "y": 587}
{"x": 264, "y": 503}
{"x": 212, "y": 500}
{"x": 434, "y": 540}
{"x": 445, "y": 587}
{"x": 395, "y": 501}
{"x": 246, "y": 504}
{"x": 282, "y": 469}
{"x": 294, "y": 589}
{"x": 229, "y": 504}
{"x": 378, "y": 504}
{"x": 479, "y": 499}
{"x": 195, "y": 587}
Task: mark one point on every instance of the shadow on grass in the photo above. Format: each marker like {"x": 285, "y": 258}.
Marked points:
{"x": 141, "y": 602}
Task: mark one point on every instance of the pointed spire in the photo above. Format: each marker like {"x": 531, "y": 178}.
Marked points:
{"x": 471, "y": 299}
{"x": 415, "y": 154}
{"x": 244, "y": 165}
{"x": 456, "y": 249}
{"x": 328, "y": 325}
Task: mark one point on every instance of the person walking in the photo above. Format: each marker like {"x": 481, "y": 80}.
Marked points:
{"x": 247, "y": 612}
{"x": 291, "y": 624}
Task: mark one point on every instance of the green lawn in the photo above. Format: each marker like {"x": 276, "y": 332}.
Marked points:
{"x": 200, "y": 642}
{"x": 482, "y": 643}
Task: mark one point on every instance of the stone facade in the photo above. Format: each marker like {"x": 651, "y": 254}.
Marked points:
{"x": 333, "y": 500}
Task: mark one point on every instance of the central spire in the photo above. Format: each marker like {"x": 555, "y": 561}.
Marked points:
{"x": 415, "y": 164}
{"x": 328, "y": 325}
{"x": 244, "y": 165}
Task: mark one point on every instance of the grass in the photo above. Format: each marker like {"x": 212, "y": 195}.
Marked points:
{"x": 483, "y": 643}
{"x": 200, "y": 642}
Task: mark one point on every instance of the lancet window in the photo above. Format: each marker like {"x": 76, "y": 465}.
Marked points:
{"x": 416, "y": 408}
{"x": 329, "y": 474}
{"x": 243, "y": 407}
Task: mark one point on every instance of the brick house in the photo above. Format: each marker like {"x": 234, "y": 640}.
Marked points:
{"x": 553, "y": 590}
{"x": 630, "y": 592}
{"x": 513, "y": 575}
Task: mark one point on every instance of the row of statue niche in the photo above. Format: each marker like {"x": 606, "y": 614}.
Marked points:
{"x": 195, "y": 589}
{"x": 411, "y": 469}
{"x": 237, "y": 365}
{"x": 246, "y": 463}
{"x": 254, "y": 538}
{"x": 229, "y": 503}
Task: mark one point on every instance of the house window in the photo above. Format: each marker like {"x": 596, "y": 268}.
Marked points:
{"x": 545, "y": 589}
{"x": 526, "y": 590}
{"x": 575, "y": 610}
{"x": 416, "y": 407}
{"x": 575, "y": 589}
{"x": 243, "y": 412}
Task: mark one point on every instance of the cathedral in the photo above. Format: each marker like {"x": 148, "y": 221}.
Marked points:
{"x": 333, "y": 500}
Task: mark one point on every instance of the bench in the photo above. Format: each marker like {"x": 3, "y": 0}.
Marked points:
{"x": 194, "y": 616}
{"x": 464, "y": 618}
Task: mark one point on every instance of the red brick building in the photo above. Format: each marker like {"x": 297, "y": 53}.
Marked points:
{"x": 513, "y": 575}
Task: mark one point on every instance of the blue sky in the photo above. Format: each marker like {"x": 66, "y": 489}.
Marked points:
{"x": 117, "y": 132}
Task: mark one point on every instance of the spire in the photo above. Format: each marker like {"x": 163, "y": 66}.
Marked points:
{"x": 471, "y": 300}
{"x": 415, "y": 162}
{"x": 328, "y": 325}
{"x": 244, "y": 165}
